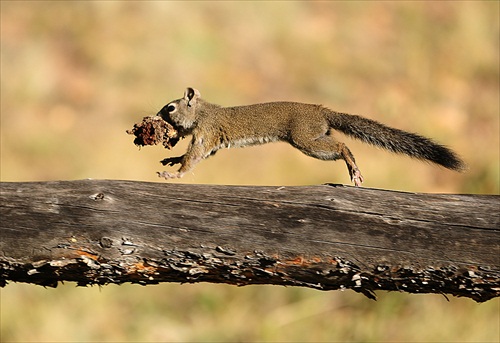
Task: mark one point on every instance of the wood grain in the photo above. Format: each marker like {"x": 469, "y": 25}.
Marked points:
{"x": 325, "y": 237}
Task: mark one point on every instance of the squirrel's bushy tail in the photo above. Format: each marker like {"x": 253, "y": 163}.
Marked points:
{"x": 398, "y": 141}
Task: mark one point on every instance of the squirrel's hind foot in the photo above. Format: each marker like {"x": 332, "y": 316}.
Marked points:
{"x": 357, "y": 178}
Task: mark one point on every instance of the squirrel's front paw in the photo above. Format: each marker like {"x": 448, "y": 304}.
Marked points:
{"x": 166, "y": 175}
{"x": 170, "y": 161}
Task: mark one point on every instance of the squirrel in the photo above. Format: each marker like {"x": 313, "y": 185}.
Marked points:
{"x": 306, "y": 127}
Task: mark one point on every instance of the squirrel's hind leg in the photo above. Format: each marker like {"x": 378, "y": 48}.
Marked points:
{"x": 325, "y": 147}
{"x": 353, "y": 169}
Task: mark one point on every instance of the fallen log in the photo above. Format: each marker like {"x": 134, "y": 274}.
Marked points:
{"x": 326, "y": 237}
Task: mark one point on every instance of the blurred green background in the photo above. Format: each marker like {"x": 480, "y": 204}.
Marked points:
{"x": 76, "y": 75}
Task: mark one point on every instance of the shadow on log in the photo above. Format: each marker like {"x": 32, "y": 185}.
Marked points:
{"x": 325, "y": 237}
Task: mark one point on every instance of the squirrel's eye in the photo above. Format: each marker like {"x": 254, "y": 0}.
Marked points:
{"x": 171, "y": 108}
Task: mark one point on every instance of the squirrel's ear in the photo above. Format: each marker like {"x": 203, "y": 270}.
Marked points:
{"x": 190, "y": 95}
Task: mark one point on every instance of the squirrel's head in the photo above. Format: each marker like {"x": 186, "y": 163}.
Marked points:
{"x": 181, "y": 113}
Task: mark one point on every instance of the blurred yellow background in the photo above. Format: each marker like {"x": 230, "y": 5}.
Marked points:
{"x": 75, "y": 75}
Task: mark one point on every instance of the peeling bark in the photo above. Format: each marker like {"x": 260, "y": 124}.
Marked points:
{"x": 325, "y": 237}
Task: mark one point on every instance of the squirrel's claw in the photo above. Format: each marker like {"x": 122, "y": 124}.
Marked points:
{"x": 357, "y": 178}
{"x": 167, "y": 175}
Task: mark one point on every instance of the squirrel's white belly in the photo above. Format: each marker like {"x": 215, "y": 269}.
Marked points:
{"x": 238, "y": 143}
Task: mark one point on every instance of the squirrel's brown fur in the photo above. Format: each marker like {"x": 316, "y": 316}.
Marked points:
{"x": 306, "y": 127}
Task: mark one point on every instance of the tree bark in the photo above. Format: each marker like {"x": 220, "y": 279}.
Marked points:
{"x": 326, "y": 237}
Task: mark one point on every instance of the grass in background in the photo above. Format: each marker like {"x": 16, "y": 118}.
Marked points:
{"x": 76, "y": 75}
{"x": 207, "y": 312}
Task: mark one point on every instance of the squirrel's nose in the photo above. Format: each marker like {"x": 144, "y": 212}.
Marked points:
{"x": 164, "y": 114}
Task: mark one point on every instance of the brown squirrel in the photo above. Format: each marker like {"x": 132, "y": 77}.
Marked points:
{"x": 307, "y": 127}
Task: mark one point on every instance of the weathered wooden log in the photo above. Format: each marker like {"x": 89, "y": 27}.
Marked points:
{"x": 326, "y": 237}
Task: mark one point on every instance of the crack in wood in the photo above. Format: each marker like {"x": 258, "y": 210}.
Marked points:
{"x": 121, "y": 231}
